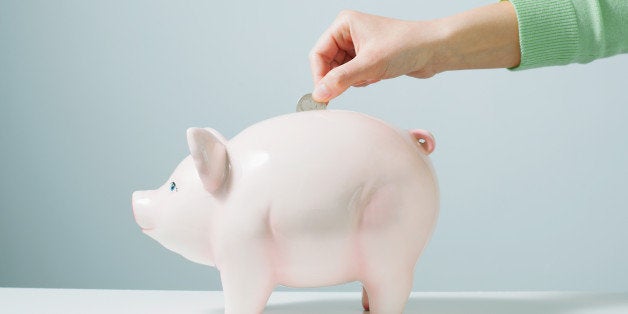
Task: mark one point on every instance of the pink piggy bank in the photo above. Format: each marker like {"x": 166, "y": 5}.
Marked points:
{"x": 306, "y": 199}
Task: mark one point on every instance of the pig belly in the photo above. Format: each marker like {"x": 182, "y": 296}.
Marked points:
{"x": 314, "y": 247}
{"x": 315, "y": 262}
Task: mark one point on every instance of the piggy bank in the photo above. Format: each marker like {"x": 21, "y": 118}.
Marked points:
{"x": 306, "y": 199}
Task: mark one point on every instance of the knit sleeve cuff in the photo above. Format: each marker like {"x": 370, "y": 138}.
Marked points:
{"x": 548, "y": 32}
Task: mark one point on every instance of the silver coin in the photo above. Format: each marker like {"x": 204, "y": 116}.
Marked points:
{"x": 306, "y": 103}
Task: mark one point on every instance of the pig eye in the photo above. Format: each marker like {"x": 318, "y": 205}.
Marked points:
{"x": 173, "y": 186}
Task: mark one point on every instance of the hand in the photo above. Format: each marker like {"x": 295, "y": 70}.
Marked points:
{"x": 360, "y": 49}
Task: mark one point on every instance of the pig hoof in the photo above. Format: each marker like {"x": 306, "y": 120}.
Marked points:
{"x": 365, "y": 299}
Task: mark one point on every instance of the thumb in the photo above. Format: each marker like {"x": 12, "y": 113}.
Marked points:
{"x": 340, "y": 78}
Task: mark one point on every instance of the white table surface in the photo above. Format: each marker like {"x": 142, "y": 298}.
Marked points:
{"x": 26, "y": 301}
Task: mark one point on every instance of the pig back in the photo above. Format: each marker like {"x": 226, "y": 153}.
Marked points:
{"x": 325, "y": 163}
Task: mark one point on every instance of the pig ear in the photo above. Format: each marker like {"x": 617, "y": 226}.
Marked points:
{"x": 209, "y": 152}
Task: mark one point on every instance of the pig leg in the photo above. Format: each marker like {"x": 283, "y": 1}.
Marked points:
{"x": 246, "y": 273}
{"x": 388, "y": 294}
{"x": 365, "y": 299}
{"x": 386, "y": 250}
{"x": 246, "y": 290}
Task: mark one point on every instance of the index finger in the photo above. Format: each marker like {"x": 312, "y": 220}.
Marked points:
{"x": 337, "y": 37}
{"x": 321, "y": 56}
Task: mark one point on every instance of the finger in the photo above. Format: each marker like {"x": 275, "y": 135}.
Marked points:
{"x": 341, "y": 57}
{"x": 320, "y": 62}
{"x": 336, "y": 81}
{"x": 335, "y": 39}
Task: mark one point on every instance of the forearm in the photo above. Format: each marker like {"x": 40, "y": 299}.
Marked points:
{"x": 482, "y": 38}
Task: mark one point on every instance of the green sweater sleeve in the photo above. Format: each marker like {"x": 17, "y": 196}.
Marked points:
{"x": 558, "y": 32}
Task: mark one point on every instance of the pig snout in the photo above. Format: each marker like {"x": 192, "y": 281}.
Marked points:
{"x": 142, "y": 210}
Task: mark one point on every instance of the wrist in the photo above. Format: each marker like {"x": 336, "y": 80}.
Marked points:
{"x": 429, "y": 55}
{"x": 482, "y": 38}
{"x": 444, "y": 56}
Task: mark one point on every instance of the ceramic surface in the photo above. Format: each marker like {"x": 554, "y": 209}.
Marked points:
{"x": 306, "y": 199}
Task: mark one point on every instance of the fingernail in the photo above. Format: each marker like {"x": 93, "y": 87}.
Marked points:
{"x": 321, "y": 92}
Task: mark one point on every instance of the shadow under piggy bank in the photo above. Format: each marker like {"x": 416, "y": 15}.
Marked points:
{"x": 473, "y": 303}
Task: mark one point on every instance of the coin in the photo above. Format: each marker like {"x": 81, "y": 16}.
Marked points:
{"x": 306, "y": 103}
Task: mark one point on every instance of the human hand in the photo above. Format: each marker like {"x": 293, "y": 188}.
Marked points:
{"x": 359, "y": 49}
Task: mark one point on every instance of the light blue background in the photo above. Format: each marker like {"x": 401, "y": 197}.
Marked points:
{"x": 96, "y": 96}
